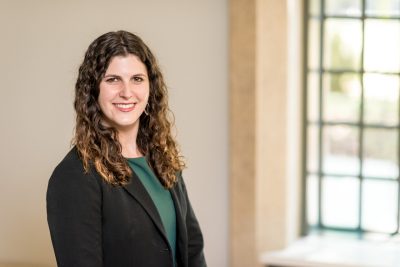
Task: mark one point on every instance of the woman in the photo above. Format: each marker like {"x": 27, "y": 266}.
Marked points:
{"x": 118, "y": 198}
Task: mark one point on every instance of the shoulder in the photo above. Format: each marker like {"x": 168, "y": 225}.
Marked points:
{"x": 70, "y": 162}
{"x": 69, "y": 173}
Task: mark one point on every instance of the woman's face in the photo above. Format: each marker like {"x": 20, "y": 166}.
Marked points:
{"x": 124, "y": 92}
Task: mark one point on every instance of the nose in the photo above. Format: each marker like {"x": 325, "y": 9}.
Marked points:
{"x": 126, "y": 91}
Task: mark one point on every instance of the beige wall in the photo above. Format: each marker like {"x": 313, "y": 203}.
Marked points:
{"x": 42, "y": 43}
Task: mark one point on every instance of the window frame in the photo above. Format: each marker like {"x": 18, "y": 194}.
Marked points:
{"x": 321, "y": 123}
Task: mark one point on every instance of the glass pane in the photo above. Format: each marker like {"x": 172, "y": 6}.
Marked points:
{"x": 342, "y": 43}
{"x": 342, "y": 94}
{"x": 383, "y": 7}
{"x": 312, "y": 149}
{"x": 313, "y": 97}
{"x": 312, "y": 200}
{"x": 340, "y": 150}
{"x": 340, "y": 197}
{"x": 381, "y": 96}
{"x": 380, "y": 148}
{"x": 314, "y": 7}
{"x": 379, "y": 206}
{"x": 382, "y": 42}
{"x": 343, "y": 7}
{"x": 313, "y": 44}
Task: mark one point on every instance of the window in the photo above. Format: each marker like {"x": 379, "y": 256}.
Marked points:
{"x": 352, "y": 115}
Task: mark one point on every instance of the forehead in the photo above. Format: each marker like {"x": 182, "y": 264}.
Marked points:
{"x": 129, "y": 64}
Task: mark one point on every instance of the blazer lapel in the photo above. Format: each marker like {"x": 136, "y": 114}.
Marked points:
{"x": 136, "y": 189}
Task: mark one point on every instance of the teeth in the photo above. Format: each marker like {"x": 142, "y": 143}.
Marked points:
{"x": 125, "y": 105}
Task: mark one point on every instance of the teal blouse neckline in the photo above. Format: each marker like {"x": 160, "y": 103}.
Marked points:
{"x": 161, "y": 197}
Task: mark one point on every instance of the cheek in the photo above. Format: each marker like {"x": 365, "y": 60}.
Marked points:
{"x": 102, "y": 106}
{"x": 103, "y": 99}
{"x": 145, "y": 93}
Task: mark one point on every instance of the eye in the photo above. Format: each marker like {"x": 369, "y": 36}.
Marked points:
{"x": 112, "y": 79}
{"x": 138, "y": 79}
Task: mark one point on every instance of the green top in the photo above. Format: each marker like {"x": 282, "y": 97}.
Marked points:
{"x": 161, "y": 197}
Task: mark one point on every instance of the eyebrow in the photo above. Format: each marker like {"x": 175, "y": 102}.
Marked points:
{"x": 115, "y": 75}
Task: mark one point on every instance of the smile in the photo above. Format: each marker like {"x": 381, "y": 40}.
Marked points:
{"x": 125, "y": 107}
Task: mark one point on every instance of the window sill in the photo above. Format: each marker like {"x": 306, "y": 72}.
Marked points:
{"x": 317, "y": 251}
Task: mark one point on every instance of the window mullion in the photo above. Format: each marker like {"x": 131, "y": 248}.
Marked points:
{"x": 398, "y": 159}
{"x": 320, "y": 112}
{"x": 361, "y": 119}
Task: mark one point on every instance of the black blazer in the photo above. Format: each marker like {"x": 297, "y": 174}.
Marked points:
{"x": 95, "y": 224}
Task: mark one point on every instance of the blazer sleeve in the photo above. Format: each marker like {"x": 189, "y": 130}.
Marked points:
{"x": 195, "y": 237}
{"x": 74, "y": 216}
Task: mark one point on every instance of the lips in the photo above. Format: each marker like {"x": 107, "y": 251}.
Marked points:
{"x": 125, "y": 107}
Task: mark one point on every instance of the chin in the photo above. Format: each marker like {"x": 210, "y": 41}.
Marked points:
{"x": 126, "y": 125}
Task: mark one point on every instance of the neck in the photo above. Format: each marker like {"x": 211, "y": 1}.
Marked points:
{"x": 127, "y": 139}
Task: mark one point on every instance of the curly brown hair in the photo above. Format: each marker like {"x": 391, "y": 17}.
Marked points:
{"x": 97, "y": 143}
